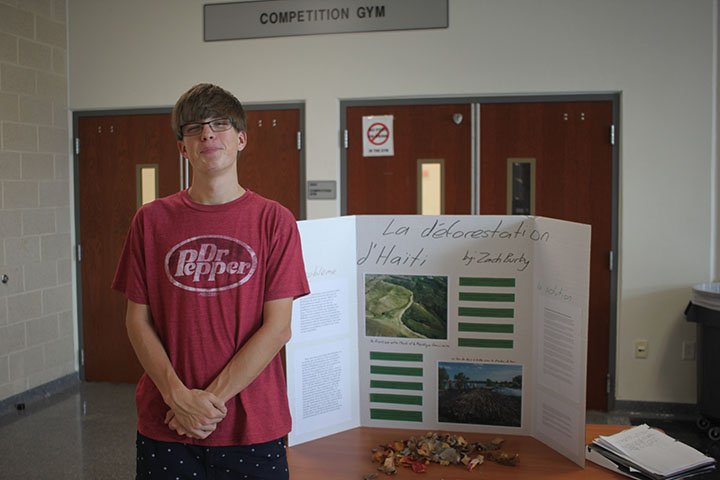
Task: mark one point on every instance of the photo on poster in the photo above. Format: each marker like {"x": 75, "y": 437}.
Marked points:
{"x": 406, "y": 306}
{"x": 480, "y": 393}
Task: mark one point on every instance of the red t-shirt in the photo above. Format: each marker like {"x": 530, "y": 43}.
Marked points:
{"x": 206, "y": 271}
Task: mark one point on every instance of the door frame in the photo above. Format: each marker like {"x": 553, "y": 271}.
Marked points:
{"x": 76, "y": 115}
{"x": 475, "y": 101}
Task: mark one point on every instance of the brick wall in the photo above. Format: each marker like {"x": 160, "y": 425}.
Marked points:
{"x": 36, "y": 319}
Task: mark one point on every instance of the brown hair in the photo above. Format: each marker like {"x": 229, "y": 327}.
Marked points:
{"x": 205, "y": 100}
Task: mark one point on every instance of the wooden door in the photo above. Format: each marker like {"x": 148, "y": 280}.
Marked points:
{"x": 270, "y": 164}
{"x": 109, "y": 150}
{"x": 569, "y": 143}
{"x": 389, "y": 185}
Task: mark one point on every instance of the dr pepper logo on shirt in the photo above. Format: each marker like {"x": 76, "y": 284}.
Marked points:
{"x": 208, "y": 264}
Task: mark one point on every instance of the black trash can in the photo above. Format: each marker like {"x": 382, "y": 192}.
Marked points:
{"x": 704, "y": 309}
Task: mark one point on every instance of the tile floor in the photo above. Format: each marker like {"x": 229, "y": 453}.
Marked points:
{"x": 88, "y": 432}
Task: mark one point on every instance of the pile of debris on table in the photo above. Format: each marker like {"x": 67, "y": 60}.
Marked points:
{"x": 443, "y": 449}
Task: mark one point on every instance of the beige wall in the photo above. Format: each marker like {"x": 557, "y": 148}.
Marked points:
{"x": 658, "y": 53}
{"x": 36, "y": 318}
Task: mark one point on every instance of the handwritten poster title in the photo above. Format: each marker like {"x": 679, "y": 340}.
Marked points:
{"x": 389, "y": 254}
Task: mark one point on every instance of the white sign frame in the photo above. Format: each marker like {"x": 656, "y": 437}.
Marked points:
{"x": 378, "y": 136}
{"x": 284, "y": 18}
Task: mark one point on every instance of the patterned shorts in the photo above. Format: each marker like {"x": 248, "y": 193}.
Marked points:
{"x": 180, "y": 461}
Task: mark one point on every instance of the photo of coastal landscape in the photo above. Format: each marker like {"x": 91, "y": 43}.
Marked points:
{"x": 480, "y": 393}
{"x": 406, "y": 306}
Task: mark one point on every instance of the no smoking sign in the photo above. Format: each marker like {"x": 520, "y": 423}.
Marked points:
{"x": 378, "y": 136}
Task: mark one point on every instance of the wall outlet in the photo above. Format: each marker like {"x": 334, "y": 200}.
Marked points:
{"x": 688, "y": 350}
{"x": 641, "y": 348}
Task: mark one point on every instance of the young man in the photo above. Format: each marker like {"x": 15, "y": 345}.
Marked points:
{"x": 210, "y": 274}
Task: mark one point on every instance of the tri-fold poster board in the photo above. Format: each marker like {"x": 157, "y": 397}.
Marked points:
{"x": 445, "y": 323}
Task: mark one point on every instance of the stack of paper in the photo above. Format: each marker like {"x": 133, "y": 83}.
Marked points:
{"x": 645, "y": 453}
{"x": 706, "y": 295}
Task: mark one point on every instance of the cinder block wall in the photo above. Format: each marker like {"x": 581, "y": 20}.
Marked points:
{"x": 36, "y": 320}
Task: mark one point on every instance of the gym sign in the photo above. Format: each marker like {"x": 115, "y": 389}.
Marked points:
{"x": 283, "y": 18}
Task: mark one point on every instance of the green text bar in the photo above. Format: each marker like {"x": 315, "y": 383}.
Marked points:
{"x": 486, "y": 312}
{"x": 484, "y": 343}
{"x": 382, "y": 370}
{"x": 402, "y": 357}
{"x": 486, "y": 297}
{"x": 486, "y": 327}
{"x": 396, "y": 385}
{"x": 486, "y": 282}
{"x": 399, "y": 399}
{"x": 400, "y": 415}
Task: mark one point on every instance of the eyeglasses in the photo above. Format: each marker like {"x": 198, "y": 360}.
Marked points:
{"x": 218, "y": 125}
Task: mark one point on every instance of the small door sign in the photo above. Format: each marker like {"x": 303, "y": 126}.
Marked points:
{"x": 378, "y": 136}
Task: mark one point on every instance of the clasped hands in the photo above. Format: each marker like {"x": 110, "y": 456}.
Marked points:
{"x": 195, "y": 413}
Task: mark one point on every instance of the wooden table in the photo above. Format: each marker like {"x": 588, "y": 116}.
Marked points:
{"x": 346, "y": 455}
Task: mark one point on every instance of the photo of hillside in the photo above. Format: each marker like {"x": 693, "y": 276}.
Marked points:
{"x": 406, "y": 306}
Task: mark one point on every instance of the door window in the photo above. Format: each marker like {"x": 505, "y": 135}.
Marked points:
{"x": 521, "y": 186}
{"x": 431, "y": 176}
{"x": 146, "y": 183}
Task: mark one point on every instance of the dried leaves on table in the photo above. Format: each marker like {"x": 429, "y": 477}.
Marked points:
{"x": 443, "y": 449}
